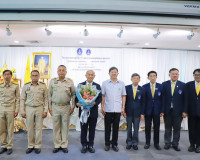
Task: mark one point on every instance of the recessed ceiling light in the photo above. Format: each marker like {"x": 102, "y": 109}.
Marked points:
{"x": 16, "y": 41}
{"x": 146, "y": 44}
{"x": 81, "y": 42}
{"x": 199, "y": 46}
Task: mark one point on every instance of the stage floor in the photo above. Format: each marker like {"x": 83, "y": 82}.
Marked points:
{"x": 20, "y": 145}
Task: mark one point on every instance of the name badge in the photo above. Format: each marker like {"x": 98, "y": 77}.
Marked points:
{"x": 180, "y": 91}
{"x": 139, "y": 96}
{"x": 159, "y": 93}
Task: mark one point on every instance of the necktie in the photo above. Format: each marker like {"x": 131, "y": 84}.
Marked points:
{"x": 173, "y": 87}
{"x": 152, "y": 90}
{"x": 198, "y": 88}
{"x": 134, "y": 92}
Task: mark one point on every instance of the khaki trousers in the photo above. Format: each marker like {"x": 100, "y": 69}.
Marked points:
{"x": 61, "y": 119}
{"x": 34, "y": 119}
{"x": 6, "y": 129}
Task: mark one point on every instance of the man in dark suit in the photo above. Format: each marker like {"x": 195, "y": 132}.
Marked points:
{"x": 92, "y": 119}
{"x": 193, "y": 99}
{"x": 153, "y": 103}
{"x": 134, "y": 110}
{"x": 173, "y": 108}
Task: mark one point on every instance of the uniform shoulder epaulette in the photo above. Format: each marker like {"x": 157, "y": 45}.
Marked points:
{"x": 70, "y": 79}
{"x": 15, "y": 82}
{"x": 1, "y": 82}
{"x": 42, "y": 82}
{"x": 28, "y": 82}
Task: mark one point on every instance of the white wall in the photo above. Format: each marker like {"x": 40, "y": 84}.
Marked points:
{"x": 128, "y": 61}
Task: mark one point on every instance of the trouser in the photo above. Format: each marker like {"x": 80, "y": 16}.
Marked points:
{"x": 6, "y": 129}
{"x": 194, "y": 130}
{"x": 175, "y": 123}
{"x": 132, "y": 138}
{"x": 34, "y": 118}
{"x": 91, "y": 123}
{"x": 61, "y": 119}
{"x": 156, "y": 128}
{"x": 111, "y": 120}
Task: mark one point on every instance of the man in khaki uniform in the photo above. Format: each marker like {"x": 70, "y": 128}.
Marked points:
{"x": 9, "y": 108}
{"x": 61, "y": 92}
{"x": 34, "y": 107}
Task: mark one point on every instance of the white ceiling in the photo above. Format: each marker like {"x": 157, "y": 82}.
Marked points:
{"x": 100, "y": 35}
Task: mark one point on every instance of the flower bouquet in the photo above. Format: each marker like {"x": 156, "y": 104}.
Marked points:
{"x": 86, "y": 95}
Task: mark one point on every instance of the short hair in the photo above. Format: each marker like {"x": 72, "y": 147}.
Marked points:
{"x": 134, "y": 75}
{"x": 173, "y": 69}
{"x": 112, "y": 68}
{"x": 196, "y": 70}
{"x": 62, "y": 66}
{"x": 7, "y": 71}
{"x": 152, "y": 72}
{"x": 89, "y": 71}
{"x": 35, "y": 71}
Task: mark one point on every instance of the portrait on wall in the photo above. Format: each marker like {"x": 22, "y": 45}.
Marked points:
{"x": 42, "y": 63}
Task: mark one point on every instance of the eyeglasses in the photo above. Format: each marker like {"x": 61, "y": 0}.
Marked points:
{"x": 196, "y": 75}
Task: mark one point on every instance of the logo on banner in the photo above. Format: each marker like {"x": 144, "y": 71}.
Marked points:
{"x": 88, "y": 51}
{"x": 79, "y": 51}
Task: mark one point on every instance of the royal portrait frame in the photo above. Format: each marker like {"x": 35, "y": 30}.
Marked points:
{"x": 37, "y": 56}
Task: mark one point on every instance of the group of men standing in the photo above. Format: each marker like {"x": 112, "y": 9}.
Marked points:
{"x": 172, "y": 99}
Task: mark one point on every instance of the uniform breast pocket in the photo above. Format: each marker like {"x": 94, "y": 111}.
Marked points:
{"x": 67, "y": 89}
{"x": 40, "y": 93}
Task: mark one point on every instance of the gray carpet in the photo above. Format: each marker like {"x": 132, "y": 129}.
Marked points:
{"x": 20, "y": 145}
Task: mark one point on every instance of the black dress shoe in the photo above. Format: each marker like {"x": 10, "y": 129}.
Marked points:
{"x": 3, "y": 150}
{"x": 157, "y": 147}
{"x": 84, "y": 149}
{"x": 146, "y": 146}
{"x": 37, "y": 150}
{"x": 115, "y": 148}
{"x": 55, "y": 150}
{"x": 135, "y": 147}
{"x": 167, "y": 146}
{"x": 91, "y": 149}
{"x": 107, "y": 148}
{"x": 197, "y": 150}
{"x": 9, "y": 151}
{"x": 65, "y": 150}
{"x": 176, "y": 148}
{"x": 191, "y": 148}
{"x": 128, "y": 147}
{"x": 29, "y": 150}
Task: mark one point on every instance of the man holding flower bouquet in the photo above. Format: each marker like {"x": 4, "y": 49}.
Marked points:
{"x": 88, "y": 91}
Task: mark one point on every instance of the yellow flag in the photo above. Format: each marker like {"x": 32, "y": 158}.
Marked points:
{"x": 27, "y": 77}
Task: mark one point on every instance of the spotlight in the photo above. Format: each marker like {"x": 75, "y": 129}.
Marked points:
{"x": 48, "y": 32}
{"x": 119, "y": 35}
{"x": 189, "y": 37}
{"x": 156, "y": 34}
{"x": 8, "y": 32}
{"x": 85, "y": 33}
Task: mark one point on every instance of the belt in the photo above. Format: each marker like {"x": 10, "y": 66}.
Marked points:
{"x": 60, "y": 105}
{"x": 6, "y": 105}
